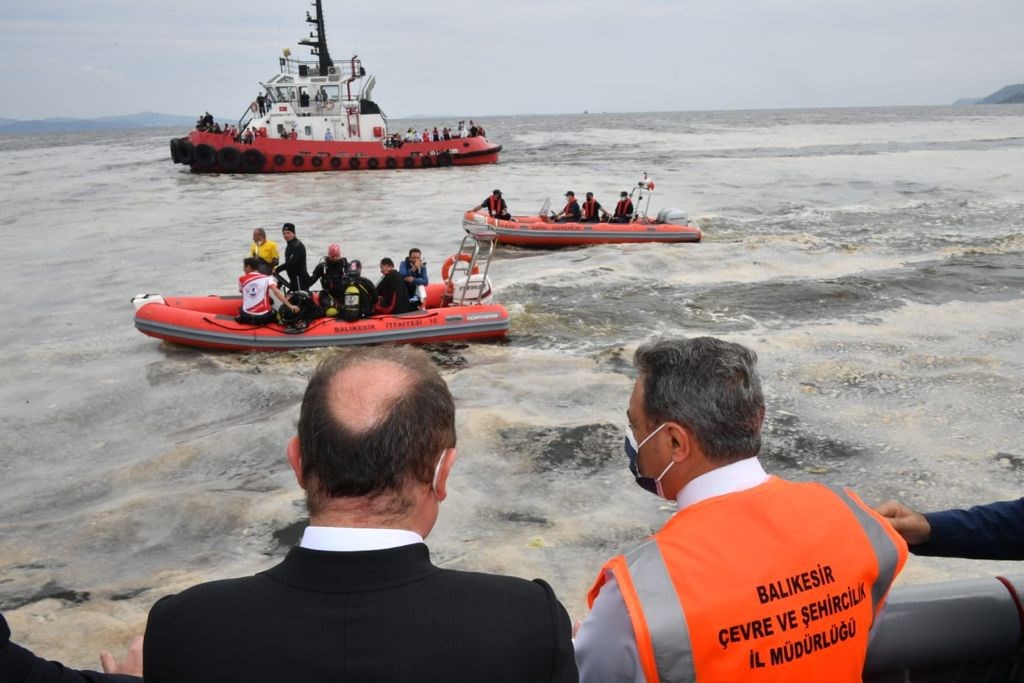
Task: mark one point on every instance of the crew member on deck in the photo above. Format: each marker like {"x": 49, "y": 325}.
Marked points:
{"x": 257, "y": 290}
{"x": 264, "y": 251}
{"x": 294, "y": 259}
{"x": 331, "y": 272}
{"x": 623, "y": 210}
{"x": 391, "y": 292}
{"x": 496, "y": 206}
{"x": 571, "y": 213}
{"x": 592, "y": 210}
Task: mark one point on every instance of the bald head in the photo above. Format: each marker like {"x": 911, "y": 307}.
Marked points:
{"x": 373, "y": 422}
{"x": 360, "y": 395}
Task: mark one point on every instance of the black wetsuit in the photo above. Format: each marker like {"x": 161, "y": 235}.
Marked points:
{"x": 295, "y": 265}
{"x": 332, "y": 275}
{"x": 392, "y": 296}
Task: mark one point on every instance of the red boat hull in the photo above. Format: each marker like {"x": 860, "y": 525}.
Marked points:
{"x": 207, "y": 152}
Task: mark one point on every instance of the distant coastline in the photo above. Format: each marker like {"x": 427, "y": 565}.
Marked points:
{"x": 141, "y": 120}
{"x": 1010, "y": 94}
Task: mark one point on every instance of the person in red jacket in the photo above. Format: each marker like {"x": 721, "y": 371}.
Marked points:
{"x": 591, "y": 209}
{"x": 623, "y": 210}
{"x": 571, "y": 213}
{"x": 495, "y": 205}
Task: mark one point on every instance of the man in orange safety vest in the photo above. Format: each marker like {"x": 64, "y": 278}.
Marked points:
{"x": 753, "y": 578}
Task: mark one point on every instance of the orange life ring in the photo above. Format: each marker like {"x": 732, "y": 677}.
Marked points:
{"x": 446, "y": 269}
{"x": 253, "y": 107}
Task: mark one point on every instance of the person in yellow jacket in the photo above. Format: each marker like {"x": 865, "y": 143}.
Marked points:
{"x": 754, "y": 578}
{"x": 265, "y": 250}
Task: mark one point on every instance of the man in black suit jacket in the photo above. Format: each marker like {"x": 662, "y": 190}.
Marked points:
{"x": 18, "y": 665}
{"x": 359, "y": 600}
{"x": 984, "y": 532}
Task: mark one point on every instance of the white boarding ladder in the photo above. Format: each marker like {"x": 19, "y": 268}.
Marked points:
{"x": 467, "y": 282}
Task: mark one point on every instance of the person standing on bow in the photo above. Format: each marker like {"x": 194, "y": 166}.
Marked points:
{"x": 496, "y": 206}
{"x": 571, "y": 213}
{"x": 294, "y": 260}
{"x": 264, "y": 251}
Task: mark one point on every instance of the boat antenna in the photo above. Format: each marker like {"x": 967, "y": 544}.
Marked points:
{"x": 318, "y": 40}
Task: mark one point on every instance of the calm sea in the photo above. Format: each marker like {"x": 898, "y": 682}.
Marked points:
{"x": 871, "y": 257}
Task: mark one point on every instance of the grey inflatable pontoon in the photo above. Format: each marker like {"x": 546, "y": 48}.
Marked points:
{"x": 966, "y": 631}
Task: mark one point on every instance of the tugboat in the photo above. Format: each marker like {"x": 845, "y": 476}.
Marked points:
{"x": 319, "y": 116}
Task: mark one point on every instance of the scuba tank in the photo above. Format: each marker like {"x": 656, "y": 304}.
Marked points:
{"x": 350, "y": 303}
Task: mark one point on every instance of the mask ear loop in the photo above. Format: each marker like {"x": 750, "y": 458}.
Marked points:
{"x": 437, "y": 471}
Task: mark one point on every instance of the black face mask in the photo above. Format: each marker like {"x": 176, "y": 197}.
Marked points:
{"x": 632, "y": 448}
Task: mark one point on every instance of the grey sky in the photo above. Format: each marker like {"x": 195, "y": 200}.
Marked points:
{"x": 106, "y": 57}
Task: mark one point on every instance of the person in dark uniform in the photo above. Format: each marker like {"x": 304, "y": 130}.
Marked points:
{"x": 496, "y": 206}
{"x": 392, "y": 296}
{"x": 294, "y": 260}
{"x": 331, "y": 273}
{"x": 623, "y": 210}
{"x": 592, "y": 210}
{"x": 367, "y": 290}
{"x": 571, "y": 213}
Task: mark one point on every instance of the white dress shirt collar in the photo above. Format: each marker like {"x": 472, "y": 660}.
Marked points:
{"x": 737, "y": 476}
{"x": 348, "y": 539}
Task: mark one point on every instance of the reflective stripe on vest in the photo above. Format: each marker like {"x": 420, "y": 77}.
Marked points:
{"x": 662, "y": 612}
{"x": 885, "y": 550}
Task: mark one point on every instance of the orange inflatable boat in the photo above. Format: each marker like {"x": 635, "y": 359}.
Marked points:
{"x": 669, "y": 225}
{"x": 459, "y": 308}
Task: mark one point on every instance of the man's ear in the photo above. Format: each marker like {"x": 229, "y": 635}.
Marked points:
{"x": 441, "y": 486}
{"x": 682, "y": 441}
{"x": 295, "y": 460}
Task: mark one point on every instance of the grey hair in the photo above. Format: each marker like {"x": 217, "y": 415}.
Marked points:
{"x": 709, "y": 386}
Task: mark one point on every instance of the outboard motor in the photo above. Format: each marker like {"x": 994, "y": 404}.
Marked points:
{"x": 674, "y": 216}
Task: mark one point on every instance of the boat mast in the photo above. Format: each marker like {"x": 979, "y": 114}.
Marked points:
{"x": 319, "y": 45}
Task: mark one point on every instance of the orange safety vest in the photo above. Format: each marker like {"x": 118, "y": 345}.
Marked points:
{"x": 494, "y": 205}
{"x": 568, "y": 207}
{"x": 590, "y": 208}
{"x": 781, "y": 582}
{"x": 624, "y": 208}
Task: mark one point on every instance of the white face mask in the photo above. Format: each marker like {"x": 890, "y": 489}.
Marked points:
{"x": 437, "y": 471}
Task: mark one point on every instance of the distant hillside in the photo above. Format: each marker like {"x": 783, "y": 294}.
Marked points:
{"x": 1010, "y": 94}
{"x": 1005, "y": 95}
{"x": 145, "y": 119}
